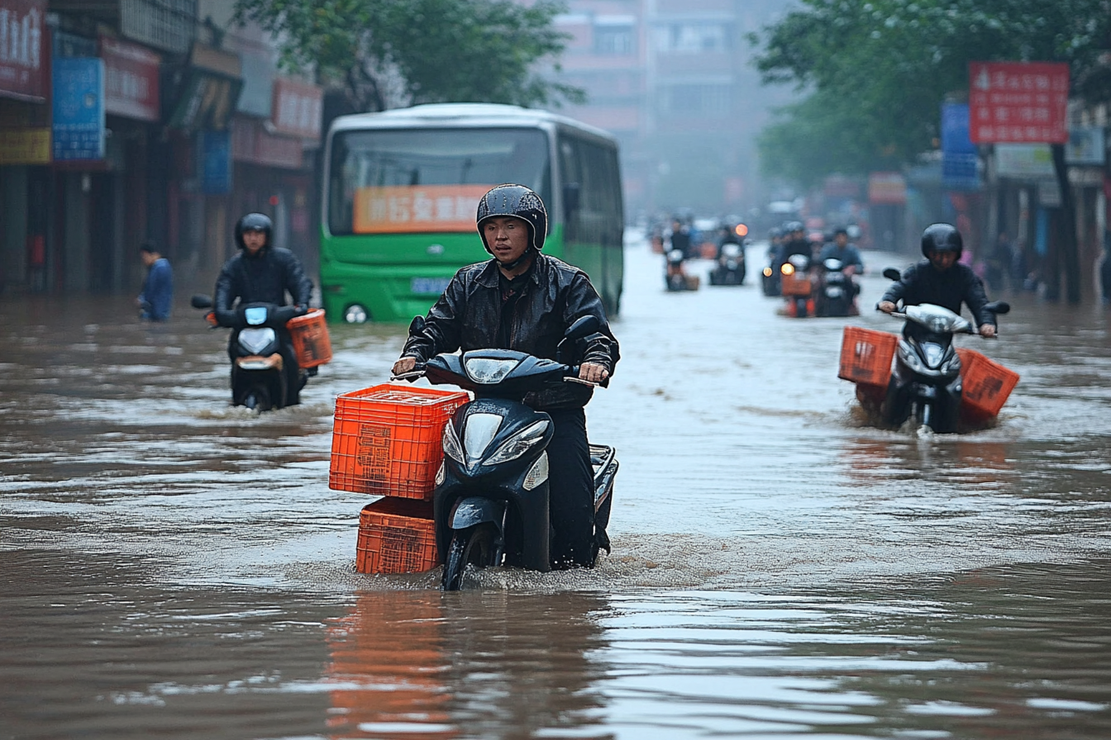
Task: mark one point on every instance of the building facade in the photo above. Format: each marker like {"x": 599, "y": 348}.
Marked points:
{"x": 673, "y": 80}
{"x": 136, "y": 120}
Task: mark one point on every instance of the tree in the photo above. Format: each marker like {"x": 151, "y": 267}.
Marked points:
{"x": 883, "y": 67}
{"x": 387, "y": 53}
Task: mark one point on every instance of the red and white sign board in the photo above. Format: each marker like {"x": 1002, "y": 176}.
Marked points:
{"x": 131, "y": 79}
{"x": 297, "y": 109}
{"x": 1018, "y": 102}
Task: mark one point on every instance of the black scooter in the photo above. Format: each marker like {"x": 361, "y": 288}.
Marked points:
{"x": 491, "y": 499}
{"x": 926, "y": 376}
{"x": 262, "y": 352}
{"x": 730, "y": 267}
{"x": 836, "y": 290}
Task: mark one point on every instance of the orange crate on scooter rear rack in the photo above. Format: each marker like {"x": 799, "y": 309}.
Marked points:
{"x": 986, "y": 385}
{"x": 396, "y": 535}
{"x": 311, "y": 342}
{"x": 387, "y": 440}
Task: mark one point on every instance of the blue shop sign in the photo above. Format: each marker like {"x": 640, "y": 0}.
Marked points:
{"x": 216, "y": 162}
{"x": 78, "y": 125}
{"x": 959, "y": 160}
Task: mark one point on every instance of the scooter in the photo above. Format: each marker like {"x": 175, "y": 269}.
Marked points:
{"x": 797, "y": 286}
{"x": 490, "y": 504}
{"x": 836, "y": 290}
{"x": 926, "y": 376}
{"x": 262, "y": 350}
{"x": 675, "y": 275}
{"x": 730, "y": 267}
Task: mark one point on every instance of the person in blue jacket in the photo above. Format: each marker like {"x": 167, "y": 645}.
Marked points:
{"x": 158, "y": 288}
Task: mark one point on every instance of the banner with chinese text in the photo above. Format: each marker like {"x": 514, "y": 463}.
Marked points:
{"x": 392, "y": 210}
{"x": 1018, "y": 102}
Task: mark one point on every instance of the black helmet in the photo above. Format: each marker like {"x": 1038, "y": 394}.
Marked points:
{"x": 942, "y": 238}
{"x": 253, "y": 222}
{"x": 517, "y": 201}
{"x": 793, "y": 226}
{"x": 775, "y": 232}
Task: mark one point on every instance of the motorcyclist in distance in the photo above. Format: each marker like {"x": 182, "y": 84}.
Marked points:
{"x": 262, "y": 273}
{"x": 795, "y": 241}
{"x": 942, "y": 280}
{"x": 840, "y": 249}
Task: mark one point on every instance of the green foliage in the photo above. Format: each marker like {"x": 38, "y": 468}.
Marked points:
{"x": 420, "y": 51}
{"x": 877, "y": 71}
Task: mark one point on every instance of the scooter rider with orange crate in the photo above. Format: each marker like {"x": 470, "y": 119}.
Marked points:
{"x": 525, "y": 300}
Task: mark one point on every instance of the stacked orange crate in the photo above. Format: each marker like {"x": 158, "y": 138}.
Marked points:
{"x": 386, "y": 441}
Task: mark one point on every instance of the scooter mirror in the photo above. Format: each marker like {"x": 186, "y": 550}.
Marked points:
{"x": 999, "y": 307}
{"x": 582, "y": 326}
{"x": 891, "y": 273}
{"x": 416, "y": 326}
{"x": 200, "y": 300}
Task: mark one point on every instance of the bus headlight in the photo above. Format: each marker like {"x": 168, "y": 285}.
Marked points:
{"x": 356, "y": 314}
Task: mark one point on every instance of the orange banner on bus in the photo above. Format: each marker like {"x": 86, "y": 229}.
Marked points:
{"x": 393, "y": 210}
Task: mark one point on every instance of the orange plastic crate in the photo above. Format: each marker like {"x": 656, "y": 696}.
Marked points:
{"x": 986, "y": 384}
{"x": 387, "y": 440}
{"x": 866, "y": 355}
{"x": 795, "y": 284}
{"x": 396, "y": 535}
{"x": 311, "y": 342}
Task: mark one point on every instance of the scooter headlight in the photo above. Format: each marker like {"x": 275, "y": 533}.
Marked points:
{"x": 519, "y": 444}
{"x": 485, "y": 370}
{"x": 767, "y": 272}
{"x": 255, "y": 340}
{"x": 452, "y": 447}
{"x": 787, "y": 268}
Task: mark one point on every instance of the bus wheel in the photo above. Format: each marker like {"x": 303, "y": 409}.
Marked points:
{"x": 356, "y": 314}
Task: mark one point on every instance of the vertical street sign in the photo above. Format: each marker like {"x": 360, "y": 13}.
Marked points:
{"x": 1018, "y": 102}
{"x": 78, "y": 115}
{"x": 959, "y": 160}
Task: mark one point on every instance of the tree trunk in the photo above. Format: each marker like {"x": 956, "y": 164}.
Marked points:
{"x": 1067, "y": 242}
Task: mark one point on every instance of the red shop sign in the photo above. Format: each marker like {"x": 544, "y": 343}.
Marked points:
{"x": 131, "y": 79}
{"x": 1018, "y": 102}
{"x": 298, "y": 108}
{"x": 22, "y": 50}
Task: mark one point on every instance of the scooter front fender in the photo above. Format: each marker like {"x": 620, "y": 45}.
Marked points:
{"x": 473, "y": 510}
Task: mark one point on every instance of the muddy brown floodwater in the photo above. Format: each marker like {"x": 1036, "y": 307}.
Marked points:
{"x": 172, "y": 567}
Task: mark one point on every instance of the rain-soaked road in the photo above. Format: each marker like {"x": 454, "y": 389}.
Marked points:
{"x": 174, "y": 568}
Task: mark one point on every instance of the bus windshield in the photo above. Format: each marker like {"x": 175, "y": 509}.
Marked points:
{"x": 398, "y": 180}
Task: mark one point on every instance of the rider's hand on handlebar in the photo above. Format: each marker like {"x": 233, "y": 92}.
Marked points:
{"x": 593, "y": 372}
{"x": 987, "y": 331}
{"x": 886, "y": 306}
{"x": 404, "y": 365}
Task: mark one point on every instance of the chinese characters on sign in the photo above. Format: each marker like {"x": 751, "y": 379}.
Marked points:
{"x": 1018, "y": 102}
{"x": 131, "y": 79}
{"x": 21, "y": 48}
{"x": 411, "y": 209}
{"x": 297, "y": 108}
{"x": 78, "y": 126}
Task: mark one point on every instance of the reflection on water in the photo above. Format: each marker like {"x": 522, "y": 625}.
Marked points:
{"x": 173, "y": 567}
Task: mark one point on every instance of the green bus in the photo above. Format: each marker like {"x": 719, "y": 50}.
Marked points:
{"x": 401, "y": 189}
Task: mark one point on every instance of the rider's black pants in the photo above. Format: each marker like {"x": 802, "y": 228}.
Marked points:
{"x": 571, "y": 490}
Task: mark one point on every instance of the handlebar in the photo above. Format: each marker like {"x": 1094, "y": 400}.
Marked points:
{"x": 971, "y": 329}
{"x": 572, "y": 376}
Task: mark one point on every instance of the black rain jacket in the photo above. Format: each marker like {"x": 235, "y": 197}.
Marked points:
{"x": 922, "y": 283}
{"x": 264, "y": 278}
{"x": 469, "y": 315}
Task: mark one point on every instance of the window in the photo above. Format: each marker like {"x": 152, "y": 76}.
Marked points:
{"x": 694, "y": 38}
{"x": 615, "y": 36}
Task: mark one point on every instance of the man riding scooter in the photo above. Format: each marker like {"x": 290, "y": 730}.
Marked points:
{"x": 261, "y": 273}
{"x": 942, "y": 280}
{"x": 841, "y": 256}
{"x": 525, "y": 300}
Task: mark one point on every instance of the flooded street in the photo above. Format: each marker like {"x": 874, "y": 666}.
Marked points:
{"x": 172, "y": 567}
